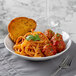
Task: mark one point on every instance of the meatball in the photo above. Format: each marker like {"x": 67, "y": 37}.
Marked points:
{"x": 60, "y": 46}
{"x": 49, "y": 33}
{"x": 58, "y": 42}
{"x": 56, "y": 38}
{"x": 49, "y": 50}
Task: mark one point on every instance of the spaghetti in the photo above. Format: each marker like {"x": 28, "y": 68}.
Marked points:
{"x": 31, "y": 48}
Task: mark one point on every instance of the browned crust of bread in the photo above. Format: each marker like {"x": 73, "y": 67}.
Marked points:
{"x": 19, "y": 18}
{"x": 14, "y": 20}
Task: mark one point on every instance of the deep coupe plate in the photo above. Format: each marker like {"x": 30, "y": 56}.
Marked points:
{"x": 9, "y": 45}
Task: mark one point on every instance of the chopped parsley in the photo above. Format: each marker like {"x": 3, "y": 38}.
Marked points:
{"x": 50, "y": 31}
{"x": 51, "y": 49}
{"x": 58, "y": 35}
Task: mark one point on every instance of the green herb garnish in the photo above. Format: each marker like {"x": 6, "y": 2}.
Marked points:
{"x": 48, "y": 44}
{"x": 34, "y": 38}
{"x": 50, "y": 31}
{"x": 58, "y": 35}
{"x": 51, "y": 49}
{"x": 30, "y": 37}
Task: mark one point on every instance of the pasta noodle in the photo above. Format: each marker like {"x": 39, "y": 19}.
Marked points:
{"x": 30, "y": 48}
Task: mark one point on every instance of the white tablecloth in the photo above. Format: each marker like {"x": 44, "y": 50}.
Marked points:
{"x": 11, "y": 65}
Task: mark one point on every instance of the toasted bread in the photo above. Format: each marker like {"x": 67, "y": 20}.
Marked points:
{"x": 20, "y": 26}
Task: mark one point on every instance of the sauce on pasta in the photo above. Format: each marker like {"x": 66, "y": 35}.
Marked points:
{"x": 38, "y": 44}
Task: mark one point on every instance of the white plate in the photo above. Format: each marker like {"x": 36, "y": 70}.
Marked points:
{"x": 9, "y": 45}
